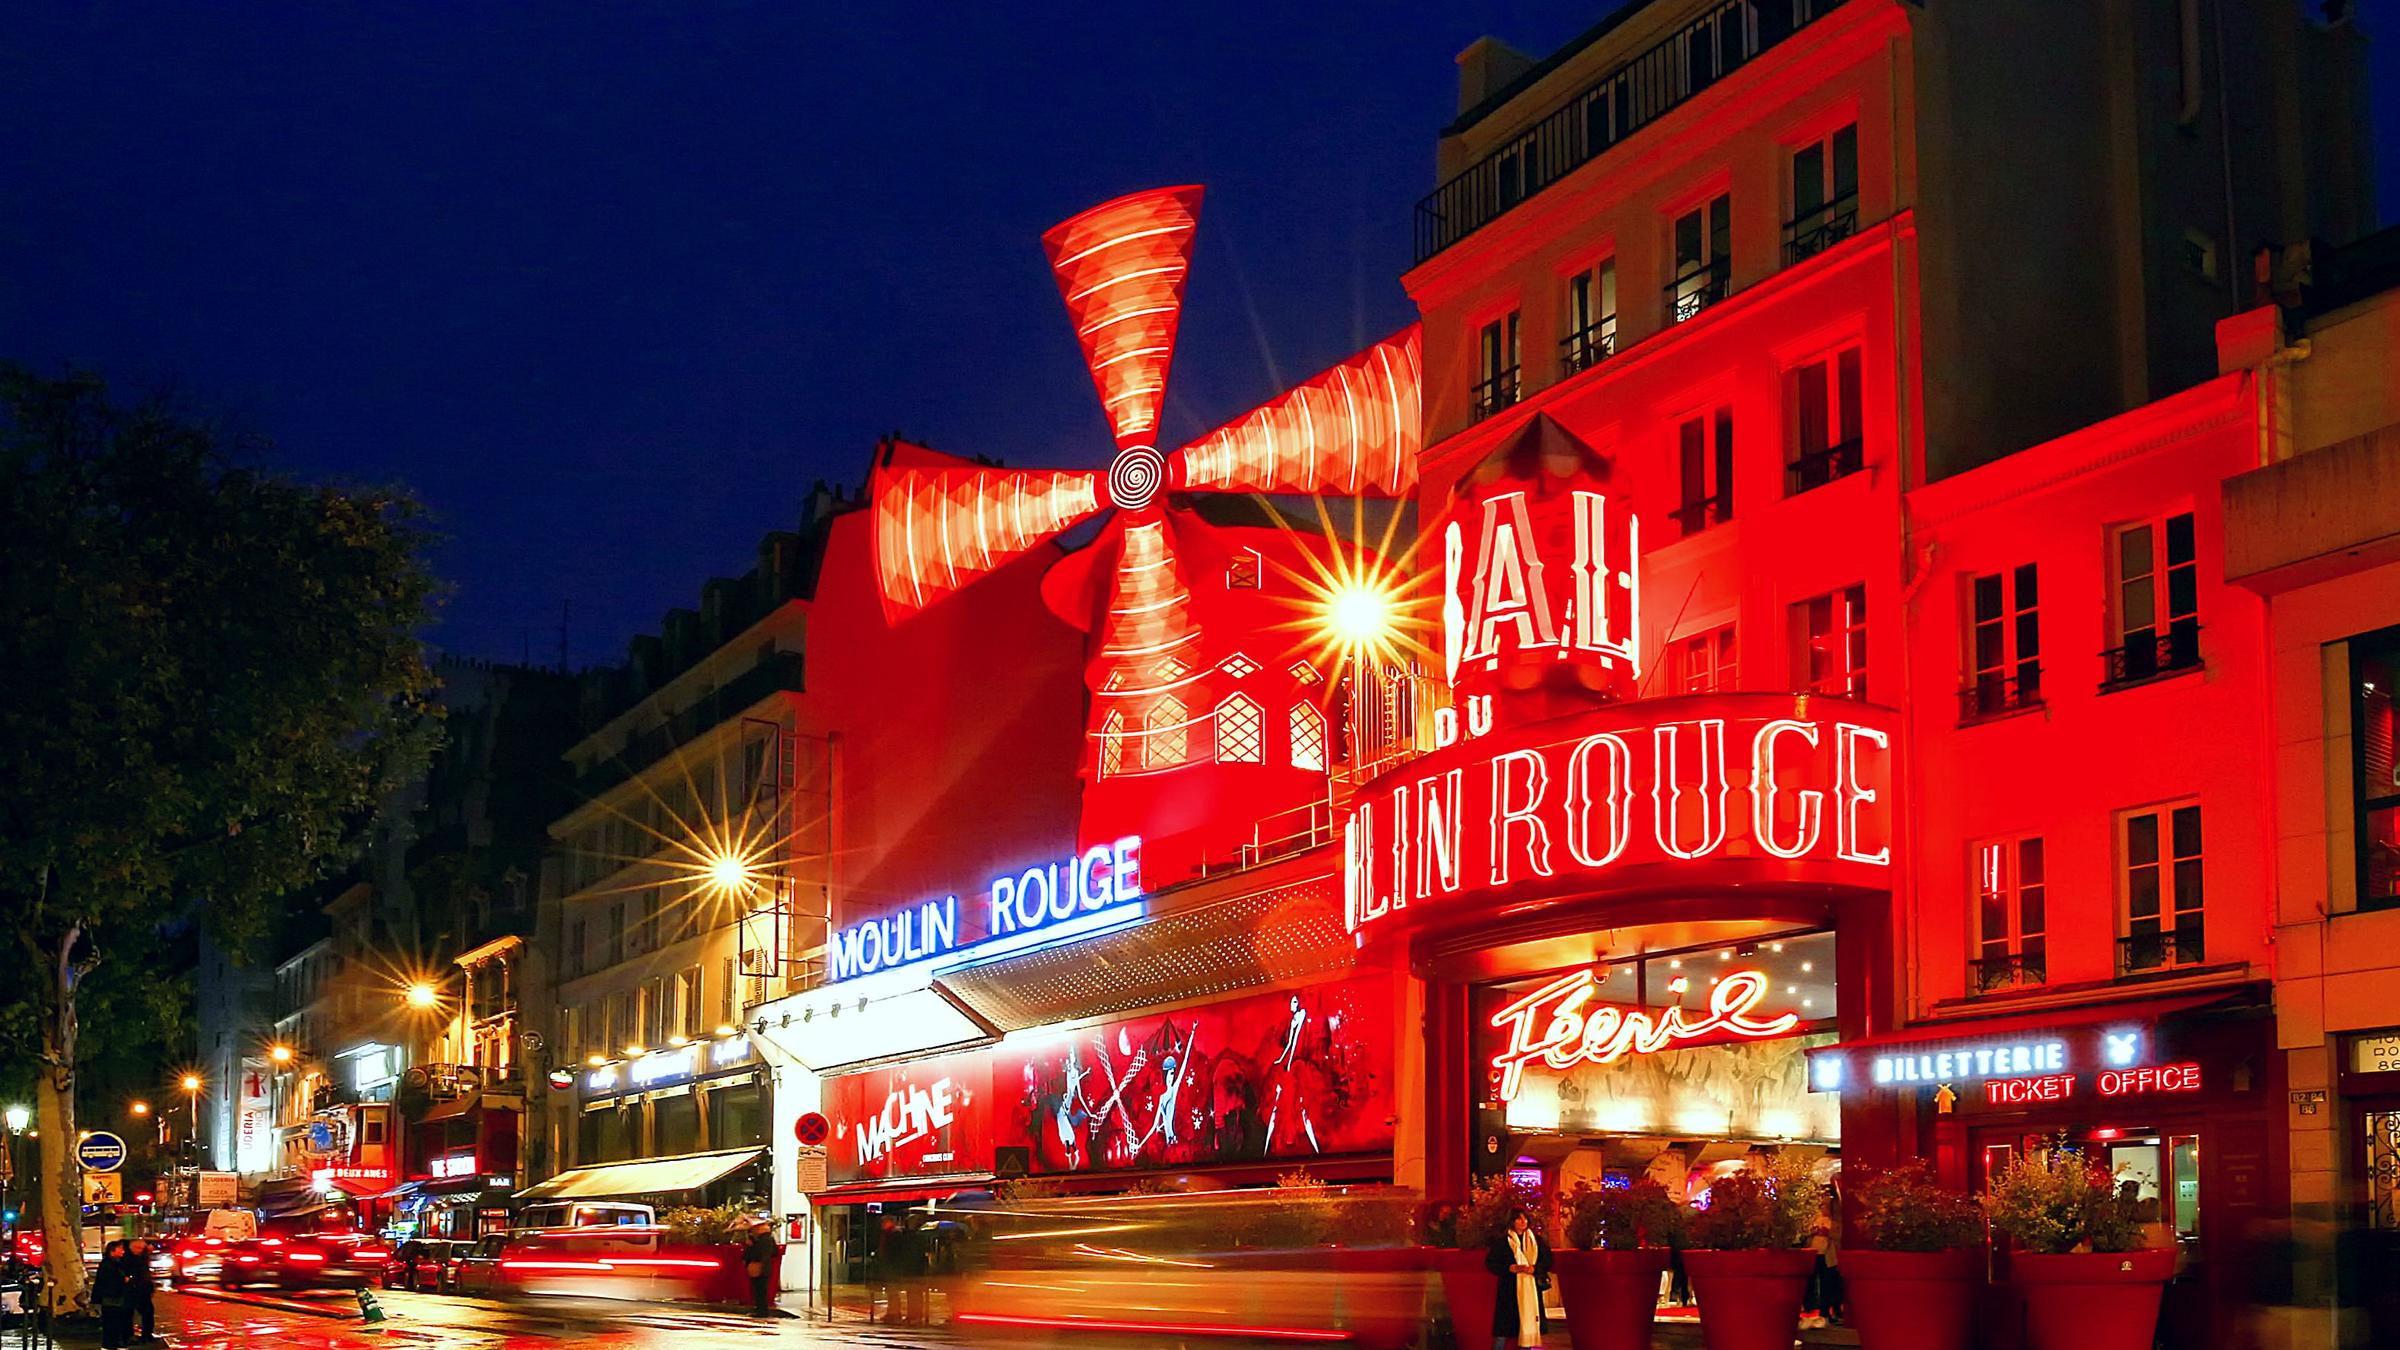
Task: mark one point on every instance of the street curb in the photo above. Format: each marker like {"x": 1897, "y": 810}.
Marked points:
{"x": 279, "y": 1305}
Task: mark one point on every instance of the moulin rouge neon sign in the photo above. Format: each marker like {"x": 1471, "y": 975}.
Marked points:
{"x": 1733, "y": 779}
{"x": 1568, "y": 1034}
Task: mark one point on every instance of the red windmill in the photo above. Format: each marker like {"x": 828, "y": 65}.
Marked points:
{"x": 1354, "y": 430}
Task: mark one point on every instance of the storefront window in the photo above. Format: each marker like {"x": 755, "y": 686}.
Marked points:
{"x": 676, "y": 1122}
{"x": 2374, "y": 674}
{"x": 604, "y": 1136}
{"x": 737, "y": 1116}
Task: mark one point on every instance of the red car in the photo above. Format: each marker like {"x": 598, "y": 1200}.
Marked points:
{"x": 314, "y": 1261}
{"x": 423, "y": 1264}
{"x": 198, "y": 1256}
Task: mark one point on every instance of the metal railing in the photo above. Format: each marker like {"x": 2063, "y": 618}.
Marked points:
{"x": 1695, "y": 290}
{"x": 1697, "y": 515}
{"x": 2163, "y": 950}
{"x": 1597, "y": 117}
{"x": 1812, "y": 232}
{"x": 1588, "y": 346}
{"x": 2147, "y": 655}
{"x": 1501, "y": 390}
{"x": 1991, "y": 974}
{"x": 1997, "y": 693}
{"x": 1816, "y": 468}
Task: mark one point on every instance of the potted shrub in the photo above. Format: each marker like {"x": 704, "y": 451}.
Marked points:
{"x": 1914, "y": 1272}
{"x": 1619, "y": 1240}
{"x": 2087, "y": 1281}
{"x": 1747, "y": 1262}
{"x": 1462, "y": 1232}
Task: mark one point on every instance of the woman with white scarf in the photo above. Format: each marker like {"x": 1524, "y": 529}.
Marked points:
{"x": 1522, "y": 1261}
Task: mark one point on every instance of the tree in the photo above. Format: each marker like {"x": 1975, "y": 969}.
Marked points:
{"x": 212, "y": 674}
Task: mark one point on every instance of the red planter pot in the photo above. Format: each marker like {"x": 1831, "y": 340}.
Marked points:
{"x": 1610, "y": 1296}
{"x": 2091, "y": 1300}
{"x": 1379, "y": 1294}
{"x": 1913, "y": 1300}
{"x": 1470, "y": 1290}
{"x": 1749, "y": 1300}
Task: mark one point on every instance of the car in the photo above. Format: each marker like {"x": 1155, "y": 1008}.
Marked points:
{"x": 476, "y": 1269}
{"x": 310, "y": 1261}
{"x": 423, "y": 1264}
{"x": 195, "y": 1256}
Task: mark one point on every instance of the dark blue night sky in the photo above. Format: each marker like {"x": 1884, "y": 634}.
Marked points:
{"x": 609, "y": 285}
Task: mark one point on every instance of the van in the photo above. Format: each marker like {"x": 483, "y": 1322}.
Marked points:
{"x": 584, "y": 1214}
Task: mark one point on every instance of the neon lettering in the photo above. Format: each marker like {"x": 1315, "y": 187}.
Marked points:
{"x": 1850, "y": 794}
{"x": 1596, "y": 623}
{"x": 1666, "y": 789}
{"x": 1571, "y": 1036}
{"x": 1617, "y": 803}
{"x": 1438, "y": 817}
{"x": 1509, "y": 810}
{"x": 2053, "y": 1087}
{"x": 1508, "y": 590}
{"x": 1764, "y": 791}
{"x": 2150, "y": 1078}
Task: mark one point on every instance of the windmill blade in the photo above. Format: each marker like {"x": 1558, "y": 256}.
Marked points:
{"x": 1143, "y": 676}
{"x": 1120, "y": 268}
{"x": 1354, "y": 430}
{"x": 938, "y": 529}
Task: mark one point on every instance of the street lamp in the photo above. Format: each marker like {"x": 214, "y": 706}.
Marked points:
{"x": 140, "y": 1108}
{"x": 17, "y": 1117}
{"x": 281, "y": 1054}
{"x": 421, "y": 995}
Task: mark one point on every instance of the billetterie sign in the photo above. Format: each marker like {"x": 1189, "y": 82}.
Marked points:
{"x": 1776, "y": 784}
{"x": 1039, "y": 898}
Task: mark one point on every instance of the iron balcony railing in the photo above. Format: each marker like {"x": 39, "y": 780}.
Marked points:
{"x": 1500, "y": 391}
{"x": 1698, "y": 514}
{"x": 1588, "y": 346}
{"x": 1816, "y": 468}
{"x": 1627, "y": 98}
{"x": 1997, "y": 693}
{"x": 1698, "y": 288}
{"x": 2148, "y": 654}
{"x": 2163, "y": 950}
{"x": 1813, "y": 232}
{"x": 1991, "y": 974}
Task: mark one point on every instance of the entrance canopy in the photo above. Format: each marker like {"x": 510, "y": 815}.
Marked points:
{"x": 650, "y": 1176}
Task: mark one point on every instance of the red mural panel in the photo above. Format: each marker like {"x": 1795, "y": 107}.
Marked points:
{"x": 1284, "y": 1076}
{"x": 925, "y": 1119}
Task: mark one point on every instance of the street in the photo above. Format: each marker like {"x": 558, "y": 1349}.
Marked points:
{"x": 205, "y": 1321}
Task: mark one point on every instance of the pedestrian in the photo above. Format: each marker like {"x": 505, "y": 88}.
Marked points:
{"x": 916, "y": 1263}
{"x": 1522, "y": 1261}
{"x": 761, "y": 1258}
{"x": 1825, "y": 1289}
{"x": 142, "y": 1283}
{"x": 110, "y": 1290}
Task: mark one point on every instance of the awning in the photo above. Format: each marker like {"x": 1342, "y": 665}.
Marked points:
{"x": 400, "y": 1192}
{"x": 903, "y": 1190}
{"x": 2048, "y": 1019}
{"x": 650, "y": 1176}
{"x": 456, "y": 1106}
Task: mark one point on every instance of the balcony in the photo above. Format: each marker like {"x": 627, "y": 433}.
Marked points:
{"x": 1993, "y": 974}
{"x": 1698, "y": 287}
{"x": 1812, "y": 232}
{"x": 2150, "y": 655}
{"x": 2165, "y": 950}
{"x": 1698, "y": 514}
{"x": 1998, "y": 693}
{"x": 1815, "y": 468}
{"x": 1602, "y": 114}
{"x": 1588, "y": 346}
{"x": 1500, "y": 391}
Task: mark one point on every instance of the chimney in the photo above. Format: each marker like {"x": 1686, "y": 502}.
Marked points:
{"x": 1485, "y": 68}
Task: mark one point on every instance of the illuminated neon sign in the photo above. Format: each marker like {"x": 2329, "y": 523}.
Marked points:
{"x": 1039, "y": 899}
{"x": 1736, "y": 778}
{"x": 910, "y": 1113}
{"x": 2050, "y": 1087}
{"x": 1507, "y": 604}
{"x": 2152, "y": 1078}
{"x": 1568, "y": 1035}
{"x": 1983, "y": 1061}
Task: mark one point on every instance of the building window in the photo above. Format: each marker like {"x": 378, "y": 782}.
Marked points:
{"x": 616, "y": 932}
{"x": 2374, "y": 672}
{"x": 656, "y": 1018}
{"x": 2004, "y": 645}
{"x": 1703, "y": 259}
{"x": 579, "y": 951}
{"x": 1829, "y": 643}
{"x": 621, "y": 1017}
{"x": 2160, "y": 849}
{"x": 1824, "y": 408}
{"x": 1241, "y": 731}
{"x": 687, "y": 998}
{"x": 1308, "y": 737}
{"x": 1112, "y": 744}
{"x": 1591, "y": 318}
{"x": 1166, "y": 741}
{"x": 1306, "y": 674}
{"x": 2156, "y": 618}
{"x": 1242, "y": 570}
{"x": 1497, "y": 382}
{"x": 726, "y": 997}
{"x": 1704, "y": 455}
{"x": 2011, "y": 947}
{"x": 1824, "y": 195}
{"x": 1238, "y": 666}
{"x": 1703, "y": 662}
{"x": 652, "y": 935}
{"x": 570, "y": 1035}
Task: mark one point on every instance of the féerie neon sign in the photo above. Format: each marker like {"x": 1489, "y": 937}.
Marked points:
{"x": 1605, "y": 1034}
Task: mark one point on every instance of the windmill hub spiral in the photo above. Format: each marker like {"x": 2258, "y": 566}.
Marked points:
{"x": 1135, "y": 476}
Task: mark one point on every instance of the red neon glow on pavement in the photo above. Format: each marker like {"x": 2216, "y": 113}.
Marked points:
{"x": 1569, "y": 1036}
{"x": 1154, "y": 1328}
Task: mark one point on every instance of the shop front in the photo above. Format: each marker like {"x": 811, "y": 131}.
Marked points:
{"x": 685, "y": 1125}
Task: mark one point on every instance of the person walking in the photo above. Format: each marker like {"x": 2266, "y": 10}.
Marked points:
{"x": 141, "y": 1282}
{"x": 1522, "y": 1261}
{"x": 1825, "y": 1291}
{"x": 761, "y": 1258}
{"x": 111, "y": 1293}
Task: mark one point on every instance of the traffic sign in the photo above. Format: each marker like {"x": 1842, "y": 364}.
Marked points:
{"x": 812, "y": 1129}
{"x": 103, "y": 1188}
{"x": 100, "y": 1151}
{"x": 814, "y": 1178}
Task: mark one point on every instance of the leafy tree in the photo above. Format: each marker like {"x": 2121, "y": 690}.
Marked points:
{"x": 212, "y": 675}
